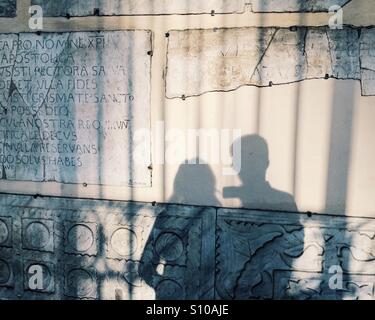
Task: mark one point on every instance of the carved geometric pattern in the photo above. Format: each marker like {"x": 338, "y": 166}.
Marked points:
{"x": 38, "y": 234}
{"x": 170, "y": 289}
{"x": 80, "y": 282}
{"x": 131, "y": 274}
{"x": 171, "y": 257}
{"x": 6, "y": 232}
{"x": 141, "y": 251}
{"x": 80, "y": 238}
{"x": 7, "y": 271}
{"x": 129, "y": 251}
{"x": 124, "y": 241}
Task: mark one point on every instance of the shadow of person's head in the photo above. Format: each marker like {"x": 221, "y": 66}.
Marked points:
{"x": 195, "y": 183}
{"x": 254, "y": 158}
{"x": 256, "y": 192}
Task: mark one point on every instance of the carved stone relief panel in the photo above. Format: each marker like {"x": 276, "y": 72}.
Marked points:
{"x": 316, "y": 286}
{"x": 72, "y": 249}
{"x": 87, "y": 249}
{"x": 270, "y": 255}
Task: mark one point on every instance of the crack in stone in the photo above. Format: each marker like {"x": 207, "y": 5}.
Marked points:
{"x": 330, "y": 49}
{"x": 368, "y": 69}
{"x": 314, "y": 55}
{"x": 262, "y": 56}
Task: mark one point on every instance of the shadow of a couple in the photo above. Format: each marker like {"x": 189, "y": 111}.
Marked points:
{"x": 196, "y": 183}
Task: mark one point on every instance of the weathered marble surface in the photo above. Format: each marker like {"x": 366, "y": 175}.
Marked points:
{"x": 70, "y": 104}
{"x": 201, "y": 61}
{"x": 368, "y": 61}
{"x": 278, "y": 256}
{"x": 162, "y": 7}
{"x": 295, "y": 5}
{"x": 89, "y": 249}
{"x": 8, "y": 8}
{"x": 138, "y": 7}
{"x": 105, "y": 250}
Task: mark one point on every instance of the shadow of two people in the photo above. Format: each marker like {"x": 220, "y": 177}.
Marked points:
{"x": 195, "y": 183}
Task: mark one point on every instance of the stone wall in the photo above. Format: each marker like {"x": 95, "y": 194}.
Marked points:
{"x": 100, "y": 217}
{"x": 205, "y": 65}
{"x": 284, "y": 56}
{"x": 89, "y": 249}
{"x": 68, "y": 107}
